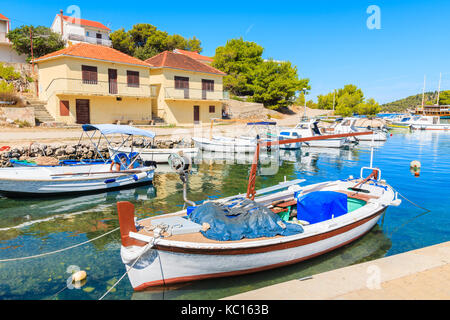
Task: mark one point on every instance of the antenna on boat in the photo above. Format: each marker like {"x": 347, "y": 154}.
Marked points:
{"x": 181, "y": 164}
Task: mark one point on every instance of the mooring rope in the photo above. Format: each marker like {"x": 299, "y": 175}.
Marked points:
{"x": 135, "y": 261}
{"x": 60, "y": 250}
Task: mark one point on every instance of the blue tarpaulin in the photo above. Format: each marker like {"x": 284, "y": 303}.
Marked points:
{"x": 319, "y": 206}
{"x": 241, "y": 218}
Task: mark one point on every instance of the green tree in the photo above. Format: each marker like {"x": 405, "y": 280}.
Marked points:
{"x": 275, "y": 84}
{"x": 238, "y": 59}
{"x": 144, "y": 41}
{"x": 44, "y": 41}
{"x": 444, "y": 98}
{"x": 370, "y": 107}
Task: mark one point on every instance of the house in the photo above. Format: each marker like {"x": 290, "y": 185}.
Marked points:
{"x": 7, "y": 53}
{"x": 184, "y": 90}
{"x": 90, "y": 83}
{"x": 74, "y": 30}
{"x": 195, "y": 55}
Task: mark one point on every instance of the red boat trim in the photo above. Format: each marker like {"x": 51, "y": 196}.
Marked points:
{"x": 269, "y": 247}
{"x": 241, "y": 272}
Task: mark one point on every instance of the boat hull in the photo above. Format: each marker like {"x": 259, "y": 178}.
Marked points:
{"x": 157, "y": 155}
{"x": 19, "y": 182}
{"x": 186, "y": 264}
{"x": 225, "y": 146}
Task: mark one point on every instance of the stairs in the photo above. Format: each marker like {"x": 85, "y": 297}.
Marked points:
{"x": 41, "y": 114}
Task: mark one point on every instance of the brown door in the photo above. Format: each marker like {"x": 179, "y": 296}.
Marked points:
{"x": 82, "y": 106}
{"x": 196, "y": 114}
{"x": 112, "y": 80}
{"x": 99, "y": 38}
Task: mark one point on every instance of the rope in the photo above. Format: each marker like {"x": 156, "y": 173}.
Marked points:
{"x": 60, "y": 250}
{"x": 135, "y": 261}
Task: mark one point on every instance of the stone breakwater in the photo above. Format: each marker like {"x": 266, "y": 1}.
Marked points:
{"x": 77, "y": 151}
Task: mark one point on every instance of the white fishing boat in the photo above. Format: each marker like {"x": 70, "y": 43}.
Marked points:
{"x": 429, "y": 123}
{"x": 290, "y": 223}
{"x": 400, "y": 121}
{"x": 347, "y": 125}
{"x": 245, "y": 143}
{"x": 158, "y": 155}
{"x": 120, "y": 171}
{"x": 307, "y": 129}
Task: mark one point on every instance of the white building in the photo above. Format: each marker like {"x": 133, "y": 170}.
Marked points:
{"x": 74, "y": 30}
{"x": 7, "y": 53}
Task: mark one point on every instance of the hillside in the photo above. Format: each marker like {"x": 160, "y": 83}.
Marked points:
{"x": 410, "y": 102}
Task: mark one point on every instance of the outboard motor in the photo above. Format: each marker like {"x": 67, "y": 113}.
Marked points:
{"x": 181, "y": 164}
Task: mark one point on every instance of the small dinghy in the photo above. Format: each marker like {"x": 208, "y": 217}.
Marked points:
{"x": 120, "y": 171}
{"x": 263, "y": 229}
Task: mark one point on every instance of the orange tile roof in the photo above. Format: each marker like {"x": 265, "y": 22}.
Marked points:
{"x": 95, "y": 52}
{"x": 169, "y": 59}
{"x": 193, "y": 54}
{"x": 88, "y": 23}
{"x": 2, "y": 17}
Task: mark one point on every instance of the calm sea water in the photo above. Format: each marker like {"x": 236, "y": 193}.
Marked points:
{"x": 30, "y": 227}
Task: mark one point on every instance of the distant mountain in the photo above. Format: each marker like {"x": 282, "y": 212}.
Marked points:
{"x": 410, "y": 102}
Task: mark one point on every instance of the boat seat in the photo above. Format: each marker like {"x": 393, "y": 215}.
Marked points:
{"x": 357, "y": 195}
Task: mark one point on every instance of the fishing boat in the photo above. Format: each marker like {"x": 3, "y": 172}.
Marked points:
{"x": 306, "y": 129}
{"x": 348, "y": 125}
{"x": 120, "y": 171}
{"x": 34, "y": 163}
{"x": 158, "y": 155}
{"x": 262, "y": 229}
{"x": 399, "y": 121}
{"x": 245, "y": 143}
{"x": 429, "y": 123}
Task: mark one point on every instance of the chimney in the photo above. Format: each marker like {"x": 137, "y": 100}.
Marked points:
{"x": 61, "y": 16}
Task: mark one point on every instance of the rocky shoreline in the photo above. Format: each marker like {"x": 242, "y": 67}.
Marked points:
{"x": 76, "y": 151}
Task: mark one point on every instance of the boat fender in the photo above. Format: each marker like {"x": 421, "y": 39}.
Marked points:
{"x": 139, "y": 176}
{"x": 110, "y": 180}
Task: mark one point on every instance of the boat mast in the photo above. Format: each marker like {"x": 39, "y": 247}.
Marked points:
{"x": 423, "y": 91}
{"x": 439, "y": 87}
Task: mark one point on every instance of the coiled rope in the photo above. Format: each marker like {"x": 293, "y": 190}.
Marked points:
{"x": 59, "y": 250}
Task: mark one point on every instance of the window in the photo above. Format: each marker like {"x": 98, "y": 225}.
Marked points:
{"x": 181, "y": 82}
{"x": 89, "y": 74}
{"x": 207, "y": 85}
{"x": 133, "y": 79}
{"x": 63, "y": 108}
{"x": 87, "y": 33}
{"x": 212, "y": 109}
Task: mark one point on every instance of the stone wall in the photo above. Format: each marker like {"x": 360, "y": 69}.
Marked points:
{"x": 11, "y": 114}
{"x": 75, "y": 151}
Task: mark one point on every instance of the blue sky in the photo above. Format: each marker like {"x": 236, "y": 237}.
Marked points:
{"x": 328, "y": 41}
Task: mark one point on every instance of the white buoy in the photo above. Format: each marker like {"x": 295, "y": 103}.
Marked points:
{"x": 415, "y": 164}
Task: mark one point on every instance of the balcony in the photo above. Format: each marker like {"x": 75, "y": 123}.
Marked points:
{"x": 194, "y": 94}
{"x": 96, "y": 88}
{"x": 83, "y": 38}
{"x": 3, "y": 38}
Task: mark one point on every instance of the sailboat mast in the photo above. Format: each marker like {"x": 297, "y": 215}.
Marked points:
{"x": 423, "y": 91}
{"x": 439, "y": 88}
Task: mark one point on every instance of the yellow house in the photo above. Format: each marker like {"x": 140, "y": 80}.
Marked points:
{"x": 185, "y": 91}
{"x": 89, "y": 83}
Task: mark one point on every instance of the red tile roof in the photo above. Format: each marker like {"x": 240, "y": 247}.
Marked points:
{"x": 2, "y": 17}
{"x": 96, "y": 52}
{"x": 88, "y": 23}
{"x": 193, "y": 54}
{"x": 169, "y": 59}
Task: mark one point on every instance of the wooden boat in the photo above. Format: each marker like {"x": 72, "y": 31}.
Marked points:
{"x": 172, "y": 248}
{"x": 84, "y": 178}
{"x": 429, "y": 123}
{"x": 32, "y": 163}
{"x": 158, "y": 155}
{"x": 307, "y": 129}
{"x": 244, "y": 144}
{"x": 347, "y": 125}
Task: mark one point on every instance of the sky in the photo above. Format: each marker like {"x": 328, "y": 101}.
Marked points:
{"x": 386, "y": 52}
